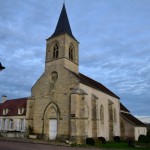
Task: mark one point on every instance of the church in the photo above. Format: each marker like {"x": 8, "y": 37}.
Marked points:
{"x": 65, "y": 104}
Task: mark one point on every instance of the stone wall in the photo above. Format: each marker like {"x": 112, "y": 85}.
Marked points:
{"x": 13, "y": 134}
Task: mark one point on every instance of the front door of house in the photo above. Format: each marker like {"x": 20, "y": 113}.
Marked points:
{"x": 52, "y": 129}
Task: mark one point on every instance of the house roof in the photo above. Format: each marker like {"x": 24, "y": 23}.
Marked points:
{"x": 92, "y": 83}
{"x": 13, "y": 105}
{"x": 123, "y": 108}
{"x": 133, "y": 120}
{"x": 63, "y": 25}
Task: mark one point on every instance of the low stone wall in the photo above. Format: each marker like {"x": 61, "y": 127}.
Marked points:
{"x": 13, "y": 134}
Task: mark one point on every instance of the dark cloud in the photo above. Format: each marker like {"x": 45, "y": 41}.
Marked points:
{"x": 114, "y": 45}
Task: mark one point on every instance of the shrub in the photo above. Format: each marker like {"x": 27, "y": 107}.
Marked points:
{"x": 130, "y": 142}
{"x": 117, "y": 138}
{"x": 40, "y": 136}
{"x": 90, "y": 141}
{"x": 148, "y": 133}
{"x": 143, "y": 139}
{"x": 30, "y": 130}
{"x": 102, "y": 139}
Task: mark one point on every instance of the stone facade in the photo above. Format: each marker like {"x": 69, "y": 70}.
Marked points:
{"x": 51, "y": 94}
{"x": 67, "y": 105}
{"x": 60, "y": 106}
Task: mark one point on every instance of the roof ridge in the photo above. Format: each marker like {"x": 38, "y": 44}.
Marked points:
{"x": 95, "y": 84}
{"x": 17, "y": 99}
{"x": 132, "y": 119}
{"x": 100, "y": 84}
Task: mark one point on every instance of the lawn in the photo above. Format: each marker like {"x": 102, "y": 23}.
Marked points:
{"x": 124, "y": 145}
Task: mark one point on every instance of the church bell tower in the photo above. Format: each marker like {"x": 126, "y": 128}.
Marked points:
{"x": 62, "y": 46}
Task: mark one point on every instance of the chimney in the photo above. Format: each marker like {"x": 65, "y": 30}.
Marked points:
{"x": 4, "y": 98}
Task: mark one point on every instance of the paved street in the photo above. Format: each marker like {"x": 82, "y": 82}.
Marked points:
{"x": 8, "y": 145}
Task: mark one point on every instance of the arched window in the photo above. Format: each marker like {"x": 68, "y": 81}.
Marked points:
{"x": 55, "y": 51}
{"x": 102, "y": 113}
{"x": 71, "y": 52}
{"x": 110, "y": 113}
{"x": 94, "y": 115}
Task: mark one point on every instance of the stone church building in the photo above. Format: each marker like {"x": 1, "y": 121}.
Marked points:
{"x": 65, "y": 104}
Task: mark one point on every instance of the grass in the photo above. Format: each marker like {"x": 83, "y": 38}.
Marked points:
{"x": 116, "y": 145}
{"x": 124, "y": 145}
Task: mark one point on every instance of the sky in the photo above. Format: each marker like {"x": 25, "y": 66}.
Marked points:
{"x": 114, "y": 48}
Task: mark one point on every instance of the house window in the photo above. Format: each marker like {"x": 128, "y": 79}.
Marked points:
{"x": 71, "y": 52}
{"x": 20, "y": 111}
{"x": 55, "y": 51}
{"x": 5, "y": 124}
{"x": 102, "y": 113}
{"x": 21, "y": 124}
{"x": 5, "y": 111}
{"x": 10, "y": 124}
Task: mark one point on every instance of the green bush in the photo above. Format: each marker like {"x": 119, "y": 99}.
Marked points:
{"x": 148, "y": 133}
{"x": 90, "y": 141}
{"x": 117, "y": 138}
{"x": 143, "y": 139}
{"x": 102, "y": 139}
{"x": 30, "y": 130}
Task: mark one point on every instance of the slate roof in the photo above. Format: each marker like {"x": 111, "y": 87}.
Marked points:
{"x": 63, "y": 25}
{"x": 133, "y": 120}
{"x": 123, "y": 108}
{"x": 13, "y": 106}
{"x": 92, "y": 83}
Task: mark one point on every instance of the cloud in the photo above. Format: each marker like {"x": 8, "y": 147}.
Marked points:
{"x": 145, "y": 119}
{"x": 114, "y": 45}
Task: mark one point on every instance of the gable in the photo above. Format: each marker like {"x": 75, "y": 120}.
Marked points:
{"x": 133, "y": 120}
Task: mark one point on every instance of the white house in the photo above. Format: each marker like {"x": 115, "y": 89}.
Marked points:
{"x": 13, "y": 115}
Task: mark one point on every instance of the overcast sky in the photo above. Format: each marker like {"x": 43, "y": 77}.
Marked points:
{"x": 114, "y": 38}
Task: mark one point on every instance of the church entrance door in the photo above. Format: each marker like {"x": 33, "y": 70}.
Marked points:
{"x": 52, "y": 129}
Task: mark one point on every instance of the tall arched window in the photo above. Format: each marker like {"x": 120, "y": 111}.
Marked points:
{"x": 110, "y": 113}
{"x": 102, "y": 113}
{"x": 55, "y": 51}
{"x": 71, "y": 52}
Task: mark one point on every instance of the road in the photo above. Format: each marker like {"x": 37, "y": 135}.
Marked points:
{"x": 8, "y": 145}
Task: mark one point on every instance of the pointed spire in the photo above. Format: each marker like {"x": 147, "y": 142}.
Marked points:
{"x": 63, "y": 25}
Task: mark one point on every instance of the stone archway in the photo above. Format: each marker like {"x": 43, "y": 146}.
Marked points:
{"x": 51, "y": 120}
